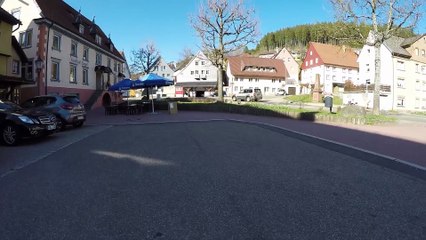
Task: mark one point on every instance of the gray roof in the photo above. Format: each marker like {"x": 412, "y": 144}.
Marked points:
{"x": 394, "y": 44}
{"x": 408, "y": 41}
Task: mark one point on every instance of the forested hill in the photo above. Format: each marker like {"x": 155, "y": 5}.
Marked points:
{"x": 331, "y": 33}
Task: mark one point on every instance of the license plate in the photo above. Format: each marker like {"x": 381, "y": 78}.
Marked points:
{"x": 51, "y": 127}
{"x": 80, "y": 117}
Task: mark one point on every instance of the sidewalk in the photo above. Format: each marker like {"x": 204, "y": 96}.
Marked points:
{"x": 401, "y": 141}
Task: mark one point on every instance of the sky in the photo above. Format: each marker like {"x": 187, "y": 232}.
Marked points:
{"x": 134, "y": 23}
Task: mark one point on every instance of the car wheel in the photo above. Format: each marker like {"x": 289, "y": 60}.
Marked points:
{"x": 248, "y": 99}
{"x": 78, "y": 124}
{"x": 234, "y": 98}
{"x": 10, "y": 135}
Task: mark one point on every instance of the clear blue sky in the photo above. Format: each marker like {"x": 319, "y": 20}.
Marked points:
{"x": 133, "y": 23}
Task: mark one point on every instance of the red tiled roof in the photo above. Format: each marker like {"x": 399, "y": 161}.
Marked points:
{"x": 240, "y": 67}
{"x": 336, "y": 55}
{"x": 64, "y": 15}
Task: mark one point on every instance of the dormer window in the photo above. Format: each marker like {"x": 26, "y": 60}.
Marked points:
{"x": 81, "y": 29}
{"x": 98, "y": 39}
{"x": 111, "y": 47}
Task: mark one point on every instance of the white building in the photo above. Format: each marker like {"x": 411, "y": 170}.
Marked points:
{"x": 244, "y": 72}
{"x": 197, "y": 78}
{"x": 163, "y": 69}
{"x": 333, "y": 64}
{"x": 78, "y": 58}
{"x": 402, "y": 73}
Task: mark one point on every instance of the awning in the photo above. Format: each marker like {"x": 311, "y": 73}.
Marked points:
{"x": 13, "y": 81}
{"x": 196, "y": 84}
{"x": 121, "y": 75}
{"x": 103, "y": 69}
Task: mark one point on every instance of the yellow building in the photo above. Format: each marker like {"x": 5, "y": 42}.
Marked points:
{"x": 11, "y": 58}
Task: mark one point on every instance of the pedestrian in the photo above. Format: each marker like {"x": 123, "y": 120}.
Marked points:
{"x": 328, "y": 101}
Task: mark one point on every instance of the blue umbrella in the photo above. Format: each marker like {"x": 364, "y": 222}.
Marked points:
{"x": 124, "y": 84}
{"x": 152, "y": 80}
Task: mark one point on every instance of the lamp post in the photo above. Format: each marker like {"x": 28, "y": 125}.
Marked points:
{"x": 39, "y": 66}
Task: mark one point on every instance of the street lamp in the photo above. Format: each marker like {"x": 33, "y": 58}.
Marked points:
{"x": 39, "y": 66}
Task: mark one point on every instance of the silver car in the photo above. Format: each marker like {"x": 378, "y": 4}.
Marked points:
{"x": 248, "y": 95}
{"x": 68, "y": 109}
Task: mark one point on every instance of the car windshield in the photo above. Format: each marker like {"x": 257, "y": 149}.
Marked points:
{"x": 9, "y": 106}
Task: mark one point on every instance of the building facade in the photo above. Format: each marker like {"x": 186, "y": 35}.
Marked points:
{"x": 163, "y": 69}
{"x": 333, "y": 64}
{"x": 197, "y": 78}
{"x": 12, "y": 58}
{"x": 246, "y": 72}
{"x": 78, "y": 58}
{"x": 402, "y": 73}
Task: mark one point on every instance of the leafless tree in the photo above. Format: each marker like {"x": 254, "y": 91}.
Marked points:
{"x": 145, "y": 59}
{"x": 185, "y": 56}
{"x": 223, "y": 27}
{"x": 386, "y": 18}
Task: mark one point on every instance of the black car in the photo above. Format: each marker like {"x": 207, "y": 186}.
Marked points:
{"x": 67, "y": 109}
{"x": 17, "y": 123}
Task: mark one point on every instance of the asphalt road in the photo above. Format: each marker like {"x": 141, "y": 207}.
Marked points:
{"x": 207, "y": 180}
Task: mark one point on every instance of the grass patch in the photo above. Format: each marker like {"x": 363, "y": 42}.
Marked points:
{"x": 307, "y": 98}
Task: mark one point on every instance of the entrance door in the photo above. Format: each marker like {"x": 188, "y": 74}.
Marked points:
{"x": 99, "y": 81}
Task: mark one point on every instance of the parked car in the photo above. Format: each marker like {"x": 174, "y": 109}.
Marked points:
{"x": 17, "y": 123}
{"x": 67, "y": 109}
{"x": 215, "y": 94}
{"x": 281, "y": 92}
{"x": 248, "y": 95}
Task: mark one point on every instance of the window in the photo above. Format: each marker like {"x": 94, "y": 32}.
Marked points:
{"x": 202, "y": 63}
{"x": 311, "y": 62}
{"x": 98, "y": 59}
{"x": 316, "y": 60}
{"x": 418, "y": 85}
{"x": 16, "y": 67}
{"x": 25, "y": 38}
{"x": 27, "y": 70}
{"x": 400, "y": 83}
{"x": 310, "y": 53}
{"x": 207, "y": 72}
{"x": 98, "y": 39}
{"x": 196, "y": 63}
{"x": 192, "y": 72}
{"x": 109, "y": 62}
{"x": 400, "y": 65}
{"x": 250, "y": 79}
{"x": 306, "y": 63}
{"x": 54, "y": 75}
{"x": 86, "y": 54}
{"x": 196, "y": 71}
{"x": 417, "y": 52}
{"x": 266, "y": 89}
{"x": 115, "y": 66}
{"x": 235, "y": 89}
{"x": 81, "y": 29}
{"x": 423, "y": 52}
{"x": 202, "y": 72}
{"x": 417, "y": 68}
{"x": 16, "y": 13}
{"x": 56, "y": 42}
{"x": 273, "y": 80}
{"x": 73, "y": 48}
{"x": 73, "y": 73}
{"x": 85, "y": 76}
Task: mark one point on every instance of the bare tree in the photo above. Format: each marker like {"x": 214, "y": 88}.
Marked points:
{"x": 145, "y": 59}
{"x": 185, "y": 56}
{"x": 386, "y": 18}
{"x": 223, "y": 27}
